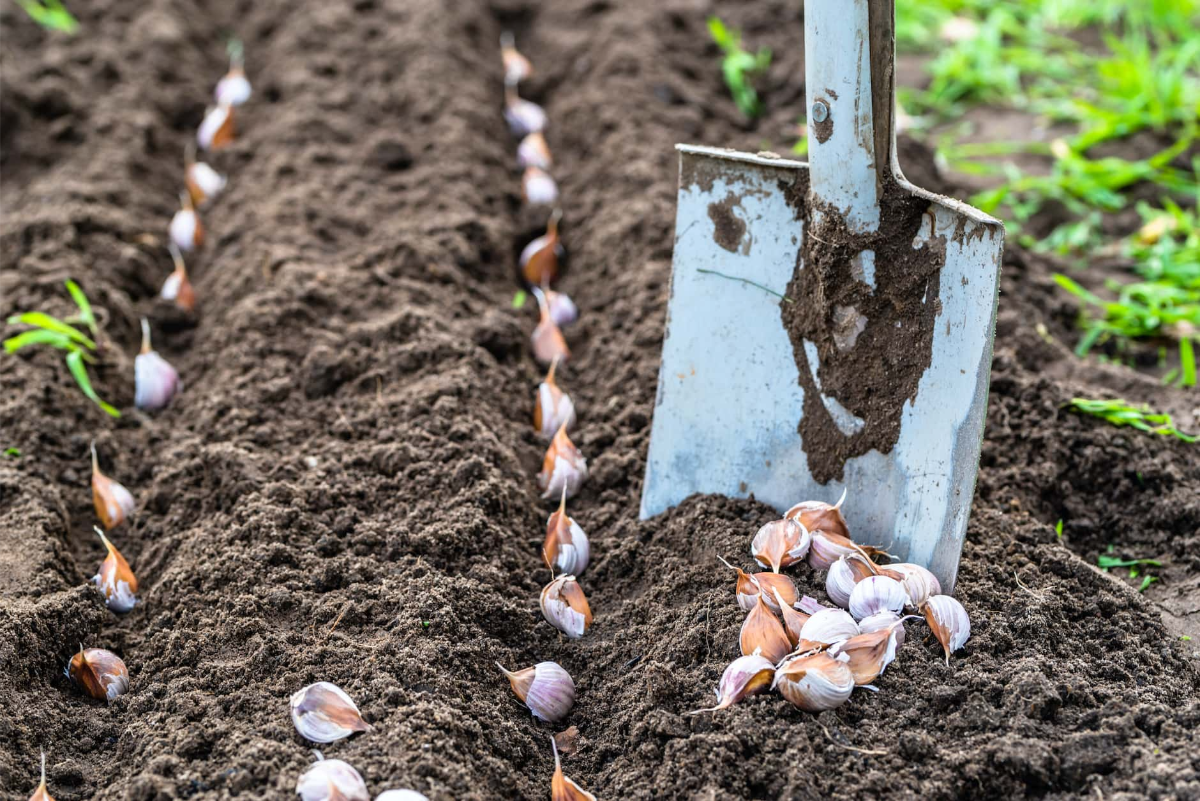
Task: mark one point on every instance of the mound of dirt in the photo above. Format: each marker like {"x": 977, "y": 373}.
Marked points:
{"x": 344, "y": 490}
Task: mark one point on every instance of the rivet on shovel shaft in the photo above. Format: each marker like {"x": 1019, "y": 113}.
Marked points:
{"x": 820, "y": 111}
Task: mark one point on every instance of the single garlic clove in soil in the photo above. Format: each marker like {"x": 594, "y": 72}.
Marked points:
{"x": 202, "y": 181}
{"x": 115, "y": 580}
{"x": 563, "y": 469}
{"x": 566, "y": 549}
{"x": 155, "y": 380}
{"x": 746, "y": 589}
{"x": 99, "y": 673}
{"x": 820, "y": 516}
{"x": 41, "y": 793}
{"x": 539, "y": 259}
{"x": 814, "y": 682}
{"x": 919, "y": 583}
{"x": 516, "y": 66}
{"x": 868, "y": 654}
{"x": 234, "y": 88}
{"x": 538, "y": 187}
{"x": 547, "y": 340}
{"x": 534, "y": 152}
{"x": 745, "y": 676}
{"x": 827, "y": 548}
{"x": 948, "y": 621}
{"x": 877, "y": 594}
{"x": 178, "y": 287}
{"x": 401, "y": 795}
{"x": 793, "y": 621}
{"x": 883, "y": 620}
{"x": 563, "y": 310}
{"x": 762, "y": 633}
{"x": 522, "y": 116}
{"x": 331, "y": 780}
{"x": 546, "y": 688}
{"x": 826, "y": 627}
{"x": 566, "y": 607}
{"x": 112, "y": 501}
{"x": 553, "y": 408}
{"x": 216, "y": 129}
{"x": 780, "y": 543}
{"x": 187, "y": 233}
{"x": 323, "y": 713}
{"x": 562, "y": 788}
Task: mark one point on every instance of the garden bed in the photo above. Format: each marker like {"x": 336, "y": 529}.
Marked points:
{"x": 344, "y": 489}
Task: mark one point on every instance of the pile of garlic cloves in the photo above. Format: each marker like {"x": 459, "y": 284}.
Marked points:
{"x": 815, "y": 655}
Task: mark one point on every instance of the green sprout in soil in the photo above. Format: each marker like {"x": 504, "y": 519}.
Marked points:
{"x": 12, "y": 453}
{"x": 739, "y": 67}
{"x": 1121, "y": 413}
{"x": 64, "y": 336}
{"x": 1107, "y": 561}
{"x": 50, "y": 14}
{"x": 518, "y": 301}
{"x": 1058, "y": 528}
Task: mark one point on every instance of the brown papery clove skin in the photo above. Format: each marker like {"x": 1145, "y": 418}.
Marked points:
{"x": 762, "y": 633}
{"x": 793, "y": 620}
{"x": 868, "y": 654}
{"x": 820, "y": 516}
{"x": 539, "y": 259}
{"x": 562, "y": 788}
{"x": 547, "y": 339}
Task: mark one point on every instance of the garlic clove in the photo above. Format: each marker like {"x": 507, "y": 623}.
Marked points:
{"x": 187, "y": 233}
{"x": 820, "y": 516}
{"x": 562, "y": 788}
{"x": 547, "y": 339}
{"x": 564, "y": 468}
{"x": 810, "y": 605}
{"x": 566, "y": 607}
{"x": 826, "y": 548}
{"x": 401, "y": 795}
{"x": 233, "y": 89}
{"x": 563, "y": 310}
{"x": 553, "y": 409}
{"x": 877, "y": 594}
{"x": 203, "y": 182}
{"x": 178, "y": 287}
{"x": 814, "y": 682}
{"x": 883, "y": 620}
{"x": 216, "y": 129}
{"x": 155, "y": 380}
{"x": 762, "y": 633}
{"x": 746, "y": 588}
{"x": 41, "y": 793}
{"x": 522, "y": 116}
{"x": 745, "y": 676}
{"x": 919, "y": 583}
{"x": 780, "y": 544}
{"x": 793, "y": 621}
{"x": 112, "y": 501}
{"x": 566, "y": 547}
{"x": 331, "y": 780}
{"x": 826, "y": 627}
{"x": 868, "y": 654}
{"x": 99, "y": 673}
{"x": 323, "y": 713}
{"x": 534, "y": 152}
{"x": 538, "y": 187}
{"x": 948, "y": 621}
{"x": 771, "y": 583}
{"x": 516, "y": 66}
{"x": 115, "y": 580}
{"x": 840, "y": 581}
{"x": 546, "y": 688}
{"x": 539, "y": 259}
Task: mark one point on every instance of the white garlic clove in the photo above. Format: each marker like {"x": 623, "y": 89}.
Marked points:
{"x": 400, "y": 795}
{"x": 331, "y": 780}
{"x": 155, "y": 380}
{"x": 780, "y": 543}
{"x": 203, "y": 182}
{"x": 840, "y": 581}
{"x": 563, "y": 310}
{"x": 814, "y": 682}
{"x": 553, "y": 408}
{"x": 516, "y": 66}
{"x": 745, "y": 676}
{"x": 566, "y": 607}
{"x": 546, "y": 688}
{"x": 534, "y": 152}
{"x": 883, "y": 620}
{"x": 762, "y": 633}
{"x": 112, "y": 501}
{"x": 100, "y": 673}
{"x": 538, "y": 187}
{"x": 539, "y": 259}
{"x": 324, "y": 713}
{"x": 115, "y": 580}
{"x": 566, "y": 549}
{"x": 216, "y": 129}
{"x": 868, "y": 655}
{"x": 564, "y": 468}
{"x": 826, "y": 627}
{"x": 919, "y": 583}
{"x": 948, "y": 621}
{"x": 810, "y": 605}
{"x": 877, "y": 594}
{"x": 820, "y": 516}
{"x": 186, "y": 231}
{"x": 547, "y": 340}
{"x": 177, "y": 287}
{"x": 522, "y": 116}
{"x": 233, "y": 89}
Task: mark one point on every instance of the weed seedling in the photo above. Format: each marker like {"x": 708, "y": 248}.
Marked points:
{"x": 61, "y": 334}
{"x": 1107, "y": 560}
{"x": 739, "y": 67}
{"x": 1121, "y": 413}
{"x": 50, "y": 14}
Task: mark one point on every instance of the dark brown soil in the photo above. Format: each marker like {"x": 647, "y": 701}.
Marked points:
{"x": 344, "y": 490}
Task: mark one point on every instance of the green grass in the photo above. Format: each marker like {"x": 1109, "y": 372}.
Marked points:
{"x": 1123, "y": 413}
{"x": 739, "y": 66}
{"x": 1107, "y": 561}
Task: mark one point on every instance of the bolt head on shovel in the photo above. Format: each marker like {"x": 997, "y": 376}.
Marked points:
{"x": 830, "y": 325}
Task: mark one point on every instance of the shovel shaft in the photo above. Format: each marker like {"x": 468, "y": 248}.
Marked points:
{"x": 849, "y": 58}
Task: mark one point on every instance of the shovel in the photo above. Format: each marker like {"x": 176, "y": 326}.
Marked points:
{"x": 829, "y": 328}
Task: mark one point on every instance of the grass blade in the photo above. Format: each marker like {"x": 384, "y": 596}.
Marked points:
{"x": 43, "y": 320}
{"x": 79, "y": 371}
{"x": 1187, "y": 362}
{"x": 85, "y": 308}
{"x": 38, "y": 336}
